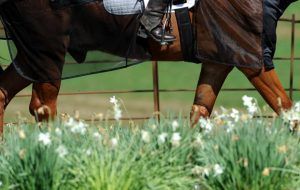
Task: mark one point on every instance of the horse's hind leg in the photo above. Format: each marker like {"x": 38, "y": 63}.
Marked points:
{"x": 43, "y": 102}
{"x": 211, "y": 79}
{"x": 10, "y": 84}
{"x": 268, "y": 85}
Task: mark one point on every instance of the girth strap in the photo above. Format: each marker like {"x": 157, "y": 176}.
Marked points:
{"x": 186, "y": 34}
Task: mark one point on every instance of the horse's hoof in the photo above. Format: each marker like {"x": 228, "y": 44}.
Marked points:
{"x": 198, "y": 112}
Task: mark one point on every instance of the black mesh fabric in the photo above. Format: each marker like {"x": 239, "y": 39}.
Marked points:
{"x": 229, "y": 32}
{"x": 44, "y": 38}
{"x": 50, "y": 40}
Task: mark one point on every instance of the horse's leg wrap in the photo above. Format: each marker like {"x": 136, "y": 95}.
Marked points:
{"x": 269, "y": 86}
{"x": 44, "y": 100}
{"x": 211, "y": 79}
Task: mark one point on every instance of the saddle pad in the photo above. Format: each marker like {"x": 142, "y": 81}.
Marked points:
{"x": 129, "y": 7}
{"x": 123, "y": 7}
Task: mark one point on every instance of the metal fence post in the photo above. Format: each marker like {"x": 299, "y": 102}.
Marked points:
{"x": 292, "y": 61}
{"x": 156, "y": 89}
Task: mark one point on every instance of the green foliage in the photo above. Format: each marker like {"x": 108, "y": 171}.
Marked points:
{"x": 254, "y": 156}
{"x": 233, "y": 150}
{"x": 113, "y": 158}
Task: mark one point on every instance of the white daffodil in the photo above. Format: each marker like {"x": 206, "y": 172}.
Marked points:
{"x": 198, "y": 140}
{"x": 205, "y": 124}
{"x": 175, "y": 125}
{"x": 218, "y": 170}
{"x": 88, "y": 152}
{"x": 153, "y": 127}
{"x": 202, "y": 122}
{"x": 22, "y": 134}
{"x": 197, "y": 170}
{"x": 247, "y": 101}
{"x": 252, "y": 109}
{"x": 291, "y": 117}
{"x": 197, "y": 187}
{"x": 250, "y": 103}
{"x": 44, "y": 138}
{"x": 113, "y": 100}
{"x": 205, "y": 172}
{"x": 61, "y": 151}
{"x": 79, "y": 127}
{"x": 145, "y": 136}
{"x": 175, "y": 140}
{"x": 297, "y": 106}
{"x": 97, "y": 136}
{"x": 117, "y": 113}
{"x": 223, "y": 110}
{"x": 116, "y": 108}
{"x": 229, "y": 126}
{"x": 22, "y": 153}
{"x": 161, "y": 139}
{"x": 208, "y": 126}
{"x": 58, "y": 131}
{"x": 71, "y": 122}
{"x": 1, "y": 183}
{"x": 235, "y": 115}
{"x": 114, "y": 142}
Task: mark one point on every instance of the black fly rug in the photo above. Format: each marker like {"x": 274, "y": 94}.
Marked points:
{"x": 47, "y": 34}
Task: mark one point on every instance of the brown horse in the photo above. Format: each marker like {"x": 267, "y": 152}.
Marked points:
{"x": 211, "y": 79}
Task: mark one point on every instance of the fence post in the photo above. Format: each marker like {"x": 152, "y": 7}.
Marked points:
{"x": 156, "y": 89}
{"x": 291, "y": 89}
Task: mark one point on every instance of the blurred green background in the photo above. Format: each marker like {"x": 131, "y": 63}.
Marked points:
{"x": 171, "y": 75}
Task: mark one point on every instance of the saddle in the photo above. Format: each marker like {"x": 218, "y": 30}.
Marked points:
{"x": 180, "y": 7}
{"x": 121, "y": 7}
{"x": 130, "y": 7}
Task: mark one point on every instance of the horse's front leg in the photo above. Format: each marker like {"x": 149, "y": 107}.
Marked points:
{"x": 269, "y": 86}
{"x": 10, "y": 84}
{"x": 211, "y": 79}
{"x": 43, "y": 104}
